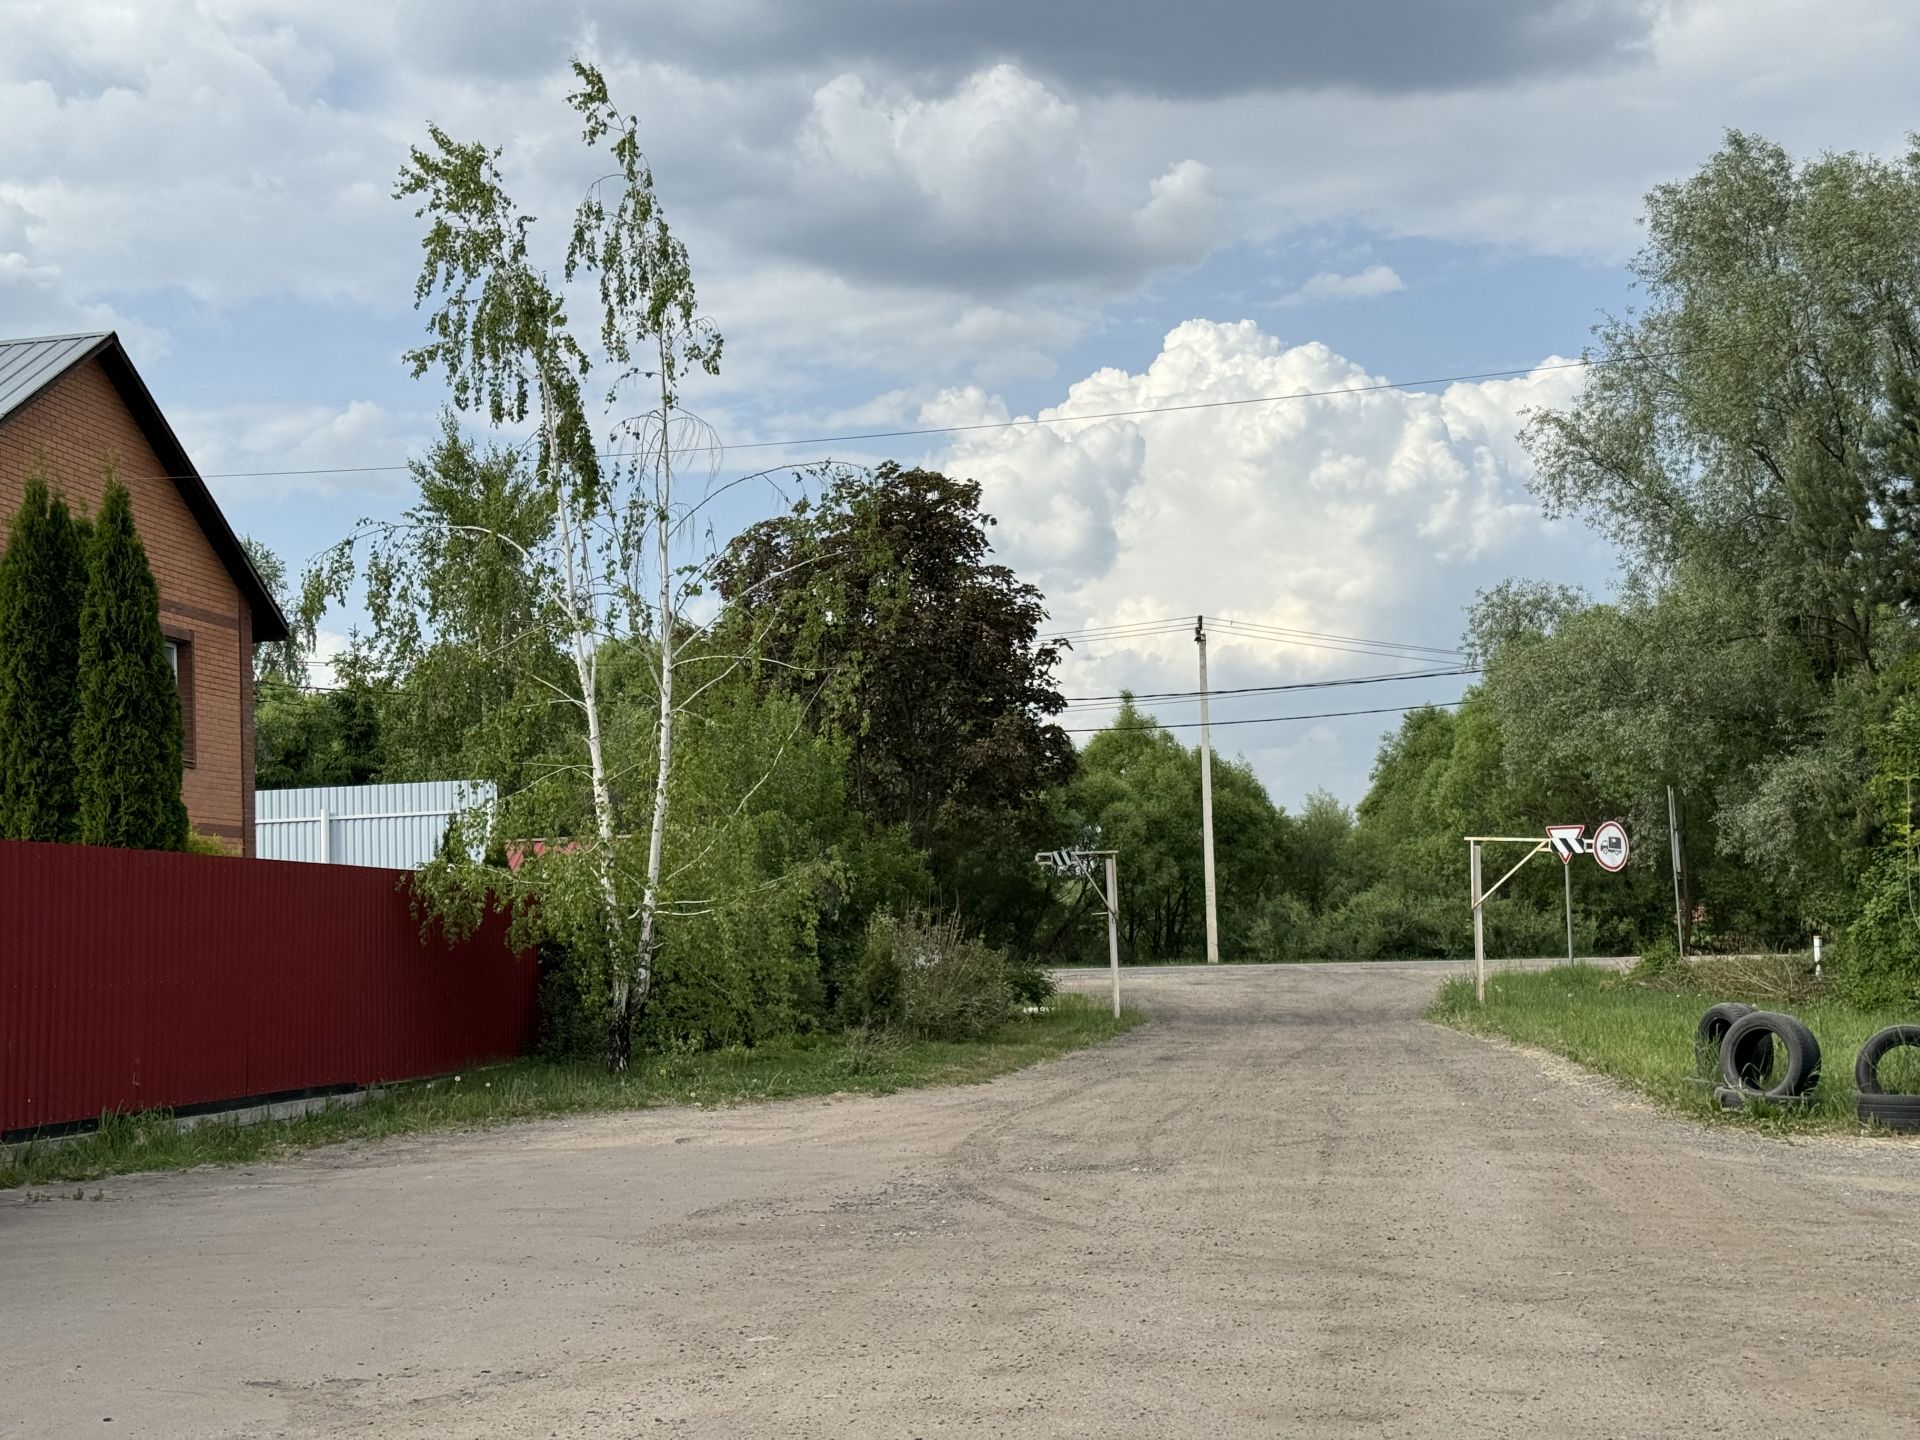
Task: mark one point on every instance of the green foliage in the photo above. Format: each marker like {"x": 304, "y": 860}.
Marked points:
{"x": 466, "y": 650}
{"x": 42, "y": 579}
{"x": 931, "y": 979}
{"x": 1880, "y": 962}
{"x": 881, "y": 599}
{"x": 1659, "y": 959}
{"x": 1138, "y": 792}
{"x": 127, "y": 739}
{"x": 1733, "y": 427}
{"x": 281, "y": 661}
{"x": 304, "y": 738}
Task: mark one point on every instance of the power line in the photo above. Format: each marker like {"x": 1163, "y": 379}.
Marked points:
{"x": 1174, "y": 695}
{"x": 1283, "y": 632}
{"x": 1277, "y": 719}
{"x": 1257, "y": 630}
{"x": 1017, "y": 423}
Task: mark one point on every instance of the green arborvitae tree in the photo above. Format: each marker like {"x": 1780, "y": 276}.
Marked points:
{"x": 42, "y": 573}
{"x": 127, "y": 738}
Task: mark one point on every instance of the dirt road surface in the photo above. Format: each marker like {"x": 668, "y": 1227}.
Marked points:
{"x": 1288, "y": 1206}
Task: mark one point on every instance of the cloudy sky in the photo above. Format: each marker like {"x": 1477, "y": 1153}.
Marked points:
{"x": 907, "y": 214}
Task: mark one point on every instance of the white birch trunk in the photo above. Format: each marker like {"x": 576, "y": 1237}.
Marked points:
{"x": 586, "y": 665}
{"x": 656, "y": 839}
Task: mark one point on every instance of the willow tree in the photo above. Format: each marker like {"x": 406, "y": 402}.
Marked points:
{"x": 500, "y": 332}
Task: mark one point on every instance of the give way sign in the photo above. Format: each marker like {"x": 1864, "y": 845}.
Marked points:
{"x": 1566, "y": 841}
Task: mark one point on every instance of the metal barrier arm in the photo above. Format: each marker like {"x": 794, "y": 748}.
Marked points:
{"x": 1492, "y": 889}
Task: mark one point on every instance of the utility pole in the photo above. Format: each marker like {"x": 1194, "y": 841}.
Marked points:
{"x": 1206, "y": 795}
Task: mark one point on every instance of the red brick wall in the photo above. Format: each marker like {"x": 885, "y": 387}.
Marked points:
{"x": 73, "y": 430}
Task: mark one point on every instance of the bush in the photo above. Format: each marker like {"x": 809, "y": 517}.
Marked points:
{"x": 931, "y": 980}
{"x": 1030, "y": 984}
{"x": 1658, "y": 959}
{"x": 573, "y": 1008}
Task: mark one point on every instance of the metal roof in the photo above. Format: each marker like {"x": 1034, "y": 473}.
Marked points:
{"x": 28, "y": 366}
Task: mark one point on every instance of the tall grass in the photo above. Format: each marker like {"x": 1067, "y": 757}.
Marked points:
{"x": 807, "y": 1065}
{"x": 1641, "y": 1033}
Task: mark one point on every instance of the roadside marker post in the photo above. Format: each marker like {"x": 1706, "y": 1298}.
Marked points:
{"x": 1608, "y": 848}
{"x": 1080, "y": 862}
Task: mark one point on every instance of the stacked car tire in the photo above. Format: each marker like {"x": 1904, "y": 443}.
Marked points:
{"x": 1768, "y": 1056}
{"x": 1896, "y": 1112}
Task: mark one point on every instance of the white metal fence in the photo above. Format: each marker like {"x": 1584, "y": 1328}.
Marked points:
{"x": 393, "y": 827}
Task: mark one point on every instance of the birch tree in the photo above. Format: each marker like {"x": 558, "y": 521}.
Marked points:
{"x": 500, "y": 332}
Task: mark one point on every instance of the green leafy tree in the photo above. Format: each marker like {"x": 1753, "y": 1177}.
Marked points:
{"x": 126, "y": 734}
{"x": 305, "y": 738}
{"x": 42, "y": 578}
{"x": 882, "y": 599}
{"x": 1138, "y": 792}
{"x": 1880, "y": 964}
{"x": 281, "y": 661}
{"x": 607, "y": 570}
{"x": 1731, "y": 425}
{"x": 465, "y": 657}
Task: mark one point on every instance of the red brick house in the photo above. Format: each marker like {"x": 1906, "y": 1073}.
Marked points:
{"x": 70, "y": 406}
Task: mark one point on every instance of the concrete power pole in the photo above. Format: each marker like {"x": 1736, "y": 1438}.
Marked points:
{"x": 1206, "y": 795}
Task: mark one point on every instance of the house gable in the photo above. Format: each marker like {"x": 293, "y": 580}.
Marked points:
{"x": 72, "y": 428}
{"x": 32, "y": 371}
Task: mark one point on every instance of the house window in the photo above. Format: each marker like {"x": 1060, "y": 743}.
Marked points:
{"x": 180, "y": 658}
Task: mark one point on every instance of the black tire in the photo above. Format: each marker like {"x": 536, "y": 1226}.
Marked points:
{"x": 1712, "y": 1029}
{"x": 1866, "y": 1066}
{"x": 1746, "y": 1056}
{"x": 1894, "y": 1112}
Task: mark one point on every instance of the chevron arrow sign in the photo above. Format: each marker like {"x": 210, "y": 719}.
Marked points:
{"x": 1567, "y": 841}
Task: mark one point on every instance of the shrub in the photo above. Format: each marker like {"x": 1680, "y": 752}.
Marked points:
{"x": 1658, "y": 959}
{"x": 573, "y": 1010}
{"x": 1029, "y": 982}
{"x": 931, "y": 980}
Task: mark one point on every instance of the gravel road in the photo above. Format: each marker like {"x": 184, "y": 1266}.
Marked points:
{"x": 1287, "y": 1206}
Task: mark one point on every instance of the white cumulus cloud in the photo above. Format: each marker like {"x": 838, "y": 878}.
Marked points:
{"x": 1364, "y": 512}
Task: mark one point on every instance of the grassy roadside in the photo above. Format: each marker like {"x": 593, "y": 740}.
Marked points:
{"x": 1642, "y": 1035}
{"x": 529, "y": 1089}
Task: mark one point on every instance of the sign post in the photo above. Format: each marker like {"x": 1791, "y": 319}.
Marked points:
{"x": 1113, "y": 927}
{"x": 1566, "y": 873}
{"x": 1080, "y": 862}
{"x": 1608, "y": 848}
{"x": 1479, "y": 925}
{"x": 1567, "y": 843}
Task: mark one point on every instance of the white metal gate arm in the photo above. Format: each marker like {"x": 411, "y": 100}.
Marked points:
{"x": 1538, "y": 846}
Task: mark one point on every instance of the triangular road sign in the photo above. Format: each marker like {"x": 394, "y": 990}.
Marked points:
{"x": 1566, "y": 841}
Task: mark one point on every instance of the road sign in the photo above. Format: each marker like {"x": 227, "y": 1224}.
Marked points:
{"x": 1566, "y": 841}
{"x": 1065, "y": 862}
{"x": 1610, "y": 846}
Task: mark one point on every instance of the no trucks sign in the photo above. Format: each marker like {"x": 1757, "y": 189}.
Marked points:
{"x": 1609, "y": 846}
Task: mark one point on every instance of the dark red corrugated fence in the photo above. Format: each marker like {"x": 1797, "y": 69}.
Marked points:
{"x": 132, "y": 980}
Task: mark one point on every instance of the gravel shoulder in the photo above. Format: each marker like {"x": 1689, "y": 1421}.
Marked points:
{"x": 1288, "y": 1205}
